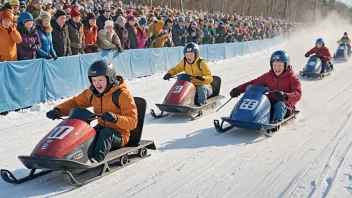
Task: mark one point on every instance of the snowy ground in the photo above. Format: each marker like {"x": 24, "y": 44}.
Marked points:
{"x": 309, "y": 157}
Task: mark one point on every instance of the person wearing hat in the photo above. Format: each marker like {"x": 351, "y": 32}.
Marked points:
{"x": 132, "y": 32}
{"x": 153, "y": 31}
{"x": 48, "y": 7}
{"x": 104, "y": 17}
{"x": 34, "y": 8}
{"x": 90, "y": 33}
{"x": 76, "y": 32}
{"x": 15, "y": 9}
{"x": 122, "y": 32}
{"x": 60, "y": 34}
{"x": 108, "y": 39}
{"x": 194, "y": 33}
{"x": 8, "y": 35}
{"x": 44, "y": 31}
{"x": 345, "y": 39}
{"x": 142, "y": 32}
{"x": 162, "y": 37}
{"x": 179, "y": 32}
{"x": 169, "y": 23}
{"x": 30, "y": 44}
{"x": 22, "y": 6}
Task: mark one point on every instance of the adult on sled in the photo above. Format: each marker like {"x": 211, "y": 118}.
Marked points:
{"x": 322, "y": 52}
{"x": 195, "y": 66}
{"x": 118, "y": 117}
{"x": 346, "y": 40}
{"x": 281, "y": 80}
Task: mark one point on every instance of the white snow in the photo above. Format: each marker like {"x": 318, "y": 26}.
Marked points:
{"x": 309, "y": 157}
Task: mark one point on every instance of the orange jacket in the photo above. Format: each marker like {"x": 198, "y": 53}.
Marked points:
{"x": 127, "y": 115}
{"x": 8, "y": 49}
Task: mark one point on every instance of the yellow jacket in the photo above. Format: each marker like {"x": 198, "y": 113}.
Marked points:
{"x": 193, "y": 70}
{"x": 344, "y": 40}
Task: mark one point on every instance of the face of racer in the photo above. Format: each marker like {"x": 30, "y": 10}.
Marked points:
{"x": 190, "y": 56}
{"x": 99, "y": 83}
{"x": 278, "y": 68}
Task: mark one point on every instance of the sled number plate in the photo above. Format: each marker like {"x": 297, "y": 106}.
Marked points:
{"x": 60, "y": 132}
{"x": 249, "y": 104}
{"x": 311, "y": 63}
{"x": 342, "y": 48}
{"x": 178, "y": 89}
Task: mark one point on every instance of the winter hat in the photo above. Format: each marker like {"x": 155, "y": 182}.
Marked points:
{"x": 59, "y": 13}
{"x": 143, "y": 21}
{"x": 47, "y": 2}
{"x": 119, "y": 11}
{"x": 107, "y": 8}
{"x": 22, "y": 4}
{"x": 25, "y": 16}
{"x": 6, "y": 15}
{"x": 14, "y": 3}
{"x": 91, "y": 16}
{"x": 120, "y": 19}
{"x": 108, "y": 23}
{"x": 130, "y": 18}
{"x": 159, "y": 25}
{"x": 35, "y": 1}
{"x": 75, "y": 12}
{"x": 44, "y": 15}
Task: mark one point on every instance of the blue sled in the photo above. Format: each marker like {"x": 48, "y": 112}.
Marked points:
{"x": 342, "y": 52}
{"x": 252, "y": 112}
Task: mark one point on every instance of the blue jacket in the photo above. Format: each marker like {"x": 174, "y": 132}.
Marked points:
{"x": 47, "y": 43}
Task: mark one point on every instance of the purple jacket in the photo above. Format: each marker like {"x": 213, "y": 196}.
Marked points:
{"x": 30, "y": 43}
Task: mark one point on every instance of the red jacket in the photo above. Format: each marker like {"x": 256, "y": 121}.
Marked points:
{"x": 286, "y": 82}
{"x": 91, "y": 37}
{"x": 324, "y": 51}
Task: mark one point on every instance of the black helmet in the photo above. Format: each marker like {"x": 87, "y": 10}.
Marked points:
{"x": 345, "y": 33}
{"x": 191, "y": 47}
{"x": 102, "y": 68}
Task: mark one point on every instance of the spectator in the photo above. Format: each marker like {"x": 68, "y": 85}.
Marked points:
{"x": 30, "y": 44}
{"x": 122, "y": 32}
{"x": 162, "y": 37}
{"x": 10, "y": 36}
{"x": 76, "y": 33}
{"x": 132, "y": 32}
{"x": 44, "y": 31}
{"x": 142, "y": 32}
{"x": 48, "y": 7}
{"x": 179, "y": 33}
{"x": 194, "y": 33}
{"x": 60, "y": 34}
{"x": 169, "y": 23}
{"x": 22, "y": 6}
{"x": 104, "y": 17}
{"x": 34, "y": 8}
{"x": 108, "y": 39}
{"x": 90, "y": 33}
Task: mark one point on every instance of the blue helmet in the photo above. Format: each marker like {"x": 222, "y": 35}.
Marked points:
{"x": 320, "y": 41}
{"x": 280, "y": 56}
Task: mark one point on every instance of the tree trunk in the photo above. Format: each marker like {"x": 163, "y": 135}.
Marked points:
{"x": 315, "y": 7}
{"x": 243, "y": 5}
{"x": 300, "y": 10}
{"x": 286, "y": 10}
{"x": 182, "y": 6}
{"x": 272, "y": 8}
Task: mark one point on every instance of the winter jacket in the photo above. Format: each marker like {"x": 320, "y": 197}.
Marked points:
{"x": 193, "y": 35}
{"x": 160, "y": 40}
{"x": 8, "y": 49}
{"x": 141, "y": 36}
{"x": 76, "y": 35}
{"x": 61, "y": 39}
{"x": 177, "y": 35}
{"x": 222, "y": 35}
{"x": 34, "y": 11}
{"x": 123, "y": 36}
{"x": 323, "y": 51}
{"x": 108, "y": 41}
{"x": 193, "y": 70}
{"x": 101, "y": 21}
{"x": 46, "y": 40}
{"x": 286, "y": 82}
{"x": 127, "y": 113}
{"x": 345, "y": 40}
{"x": 90, "y": 36}
{"x": 132, "y": 35}
{"x": 29, "y": 38}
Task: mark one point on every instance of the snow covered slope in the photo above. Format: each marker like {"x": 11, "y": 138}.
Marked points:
{"x": 310, "y": 156}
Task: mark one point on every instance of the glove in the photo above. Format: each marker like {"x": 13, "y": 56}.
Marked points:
{"x": 110, "y": 117}
{"x": 52, "y": 114}
{"x": 11, "y": 28}
{"x": 153, "y": 37}
{"x": 319, "y": 55}
{"x": 235, "y": 93}
{"x": 167, "y": 76}
{"x": 54, "y": 57}
{"x": 280, "y": 94}
{"x": 33, "y": 47}
{"x": 49, "y": 57}
{"x": 307, "y": 55}
{"x": 200, "y": 78}
{"x": 26, "y": 47}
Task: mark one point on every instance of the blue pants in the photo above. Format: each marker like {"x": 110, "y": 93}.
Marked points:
{"x": 203, "y": 92}
{"x": 279, "y": 111}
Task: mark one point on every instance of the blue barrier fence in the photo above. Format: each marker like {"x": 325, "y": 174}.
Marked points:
{"x": 24, "y": 83}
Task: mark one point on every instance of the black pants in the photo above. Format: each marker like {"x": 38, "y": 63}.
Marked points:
{"x": 105, "y": 140}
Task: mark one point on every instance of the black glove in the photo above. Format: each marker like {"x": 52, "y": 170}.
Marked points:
{"x": 167, "y": 76}
{"x": 200, "y": 78}
{"x": 110, "y": 117}
{"x": 52, "y": 114}
{"x": 26, "y": 47}
{"x": 54, "y": 57}
{"x": 153, "y": 37}
{"x": 280, "y": 94}
{"x": 49, "y": 57}
{"x": 235, "y": 93}
{"x": 307, "y": 55}
{"x": 34, "y": 48}
{"x": 319, "y": 55}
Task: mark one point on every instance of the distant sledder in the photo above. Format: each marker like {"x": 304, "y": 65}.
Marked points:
{"x": 196, "y": 92}
{"x": 268, "y": 102}
{"x": 318, "y": 65}
{"x": 344, "y": 49}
